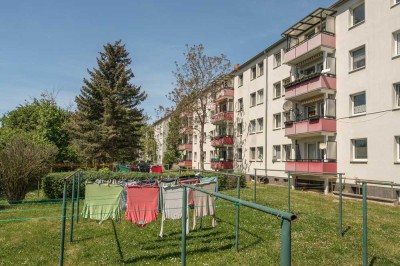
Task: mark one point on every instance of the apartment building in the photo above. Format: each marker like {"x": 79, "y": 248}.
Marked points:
{"x": 160, "y": 128}
{"x": 322, "y": 100}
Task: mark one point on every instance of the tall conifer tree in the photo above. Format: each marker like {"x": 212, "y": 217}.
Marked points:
{"x": 106, "y": 125}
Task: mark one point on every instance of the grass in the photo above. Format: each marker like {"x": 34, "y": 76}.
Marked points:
{"x": 315, "y": 239}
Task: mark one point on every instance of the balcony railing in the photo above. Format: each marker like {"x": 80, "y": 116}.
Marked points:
{"x": 222, "y": 141}
{"x": 222, "y": 165}
{"x": 309, "y": 85}
{"x": 311, "y": 166}
{"x": 297, "y": 53}
{"x": 222, "y": 117}
{"x": 186, "y": 163}
{"x": 188, "y": 130}
{"x": 224, "y": 94}
{"x": 312, "y": 125}
{"x": 186, "y": 146}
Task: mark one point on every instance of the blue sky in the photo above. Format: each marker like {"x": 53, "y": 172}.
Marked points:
{"x": 48, "y": 45}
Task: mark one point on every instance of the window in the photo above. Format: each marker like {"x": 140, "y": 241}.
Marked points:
{"x": 252, "y": 154}
{"x": 397, "y": 95}
{"x": 260, "y": 96}
{"x": 277, "y": 90}
{"x": 252, "y": 99}
{"x": 204, "y": 137}
{"x": 360, "y": 149}
{"x": 396, "y": 38}
{"x": 277, "y": 59}
{"x": 211, "y": 154}
{"x": 240, "y": 80}
{"x": 239, "y": 128}
{"x": 240, "y": 104}
{"x": 276, "y": 153}
{"x": 260, "y": 68}
{"x": 252, "y": 126}
{"x": 357, "y": 58}
{"x": 195, "y": 139}
{"x": 253, "y": 73}
{"x": 204, "y": 156}
{"x": 358, "y": 103}
{"x": 357, "y": 14}
{"x": 395, "y": 2}
{"x": 397, "y": 143}
{"x": 260, "y": 153}
{"x": 195, "y": 157}
{"x": 277, "y": 121}
{"x": 260, "y": 124}
{"x": 287, "y": 149}
{"x": 239, "y": 155}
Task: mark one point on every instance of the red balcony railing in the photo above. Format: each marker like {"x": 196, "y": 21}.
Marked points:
{"x": 312, "y": 126}
{"x": 186, "y": 146}
{"x": 186, "y": 163}
{"x": 309, "y": 85}
{"x": 222, "y": 117}
{"x": 224, "y": 94}
{"x": 311, "y": 167}
{"x": 221, "y": 165}
{"x": 222, "y": 141}
{"x": 299, "y": 52}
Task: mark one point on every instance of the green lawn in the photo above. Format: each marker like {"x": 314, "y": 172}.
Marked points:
{"x": 315, "y": 239}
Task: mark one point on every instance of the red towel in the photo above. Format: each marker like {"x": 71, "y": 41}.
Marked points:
{"x": 142, "y": 204}
{"x": 192, "y": 181}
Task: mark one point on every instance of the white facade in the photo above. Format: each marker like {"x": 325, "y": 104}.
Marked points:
{"x": 160, "y": 134}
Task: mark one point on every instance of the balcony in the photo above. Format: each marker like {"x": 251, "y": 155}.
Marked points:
{"x": 222, "y": 141}
{"x": 187, "y": 146}
{"x": 187, "y": 130}
{"x": 224, "y": 95}
{"x": 222, "y": 165}
{"x": 186, "y": 163}
{"x": 314, "y": 126}
{"x": 311, "y": 166}
{"x": 309, "y": 86}
{"x": 322, "y": 41}
{"x": 222, "y": 117}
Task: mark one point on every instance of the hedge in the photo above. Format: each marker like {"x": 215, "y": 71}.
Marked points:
{"x": 53, "y": 183}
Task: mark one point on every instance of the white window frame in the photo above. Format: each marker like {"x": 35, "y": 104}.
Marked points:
{"x": 240, "y": 104}
{"x": 260, "y": 126}
{"x": 253, "y": 99}
{"x": 284, "y": 150}
{"x": 240, "y": 128}
{"x": 253, "y": 73}
{"x": 260, "y": 67}
{"x": 252, "y": 126}
{"x": 276, "y": 62}
{"x": 252, "y": 153}
{"x": 260, "y": 96}
{"x": 275, "y": 120}
{"x": 352, "y": 58}
{"x": 353, "y": 152}
{"x": 397, "y": 149}
{"x": 276, "y": 153}
{"x": 276, "y": 84}
{"x": 351, "y": 12}
{"x": 195, "y": 156}
{"x": 396, "y": 102}
{"x": 352, "y": 103}
{"x": 260, "y": 153}
{"x": 395, "y": 2}
{"x": 396, "y": 43}
{"x": 240, "y": 80}
{"x": 195, "y": 139}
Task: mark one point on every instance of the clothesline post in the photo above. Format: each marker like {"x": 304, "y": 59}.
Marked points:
{"x": 255, "y": 185}
{"x": 289, "y": 188}
{"x": 72, "y": 209}
{"x": 184, "y": 210}
{"x": 64, "y": 209}
{"x": 78, "y": 196}
{"x": 237, "y": 215}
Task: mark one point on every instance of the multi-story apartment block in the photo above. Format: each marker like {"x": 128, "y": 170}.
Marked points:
{"x": 186, "y": 146}
{"x": 160, "y": 134}
{"x": 325, "y": 99}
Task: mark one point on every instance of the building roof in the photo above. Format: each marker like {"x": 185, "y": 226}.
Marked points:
{"x": 161, "y": 119}
{"x": 308, "y": 22}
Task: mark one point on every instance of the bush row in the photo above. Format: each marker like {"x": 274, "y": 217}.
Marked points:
{"x": 53, "y": 183}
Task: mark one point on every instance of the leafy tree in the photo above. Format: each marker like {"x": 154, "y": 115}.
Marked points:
{"x": 106, "y": 125}
{"x": 148, "y": 143}
{"x": 195, "y": 83}
{"x": 44, "y": 120}
{"x": 172, "y": 153}
{"x": 22, "y": 164}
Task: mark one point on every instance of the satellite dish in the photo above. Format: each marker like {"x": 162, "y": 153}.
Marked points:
{"x": 287, "y": 106}
{"x": 322, "y": 146}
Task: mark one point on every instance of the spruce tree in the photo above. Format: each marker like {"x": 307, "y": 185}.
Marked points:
{"x": 106, "y": 125}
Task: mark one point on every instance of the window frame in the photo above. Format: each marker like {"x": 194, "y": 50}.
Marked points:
{"x": 396, "y": 100}
{"x": 252, "y": 126}
{"x": 240, "y": 104}
{"x": 353, "y": 103}
{"x": 396, "y": 44}
{"x": 276, "y": 63}
{"x": 239, "y": 154}
{"x": 284, "y": 150}
{"x": 240, "y": 126}
{"x": 253, "y": 72}
{"x": 276, "y": 149}
{"x": 253, "y": 96}
{"x": 275, "y": 89}
{"x": 260, "y": 100}
{"x": 251, "y": 151}
{"x": 351, "y": 12}
{"x": 194, "y": 156}
{"x": 353, "y": 153}
{"x": 351, "y": 53}
{"x": 275, "y": 121}
{"x": 260, "y": 129}
{"x": 260, "y": 155}
{"x": 397, "y": 149}
{"x": 240, "y": 80}
{"x": 260, "y": 69}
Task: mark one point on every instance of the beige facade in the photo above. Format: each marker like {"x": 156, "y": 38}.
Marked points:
{"x": 160, "y": 134}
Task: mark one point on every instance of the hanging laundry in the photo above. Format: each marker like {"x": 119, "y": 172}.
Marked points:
{"x": 189, "y": 181}
{"x": 126, "y": 184}
{"x": 142, "y": 204}
{"x": 210, "y": 179}
{"x": 172, "y": 206}
{"x": 102, "y": 201}
{"x": 204, "y": 203}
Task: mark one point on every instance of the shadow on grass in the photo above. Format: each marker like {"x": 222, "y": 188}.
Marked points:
{"x": 346, "y": 230}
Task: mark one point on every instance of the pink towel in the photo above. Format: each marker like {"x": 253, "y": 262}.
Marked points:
{"x": 193, "y": 181}
{"x": 142, "y": 204}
